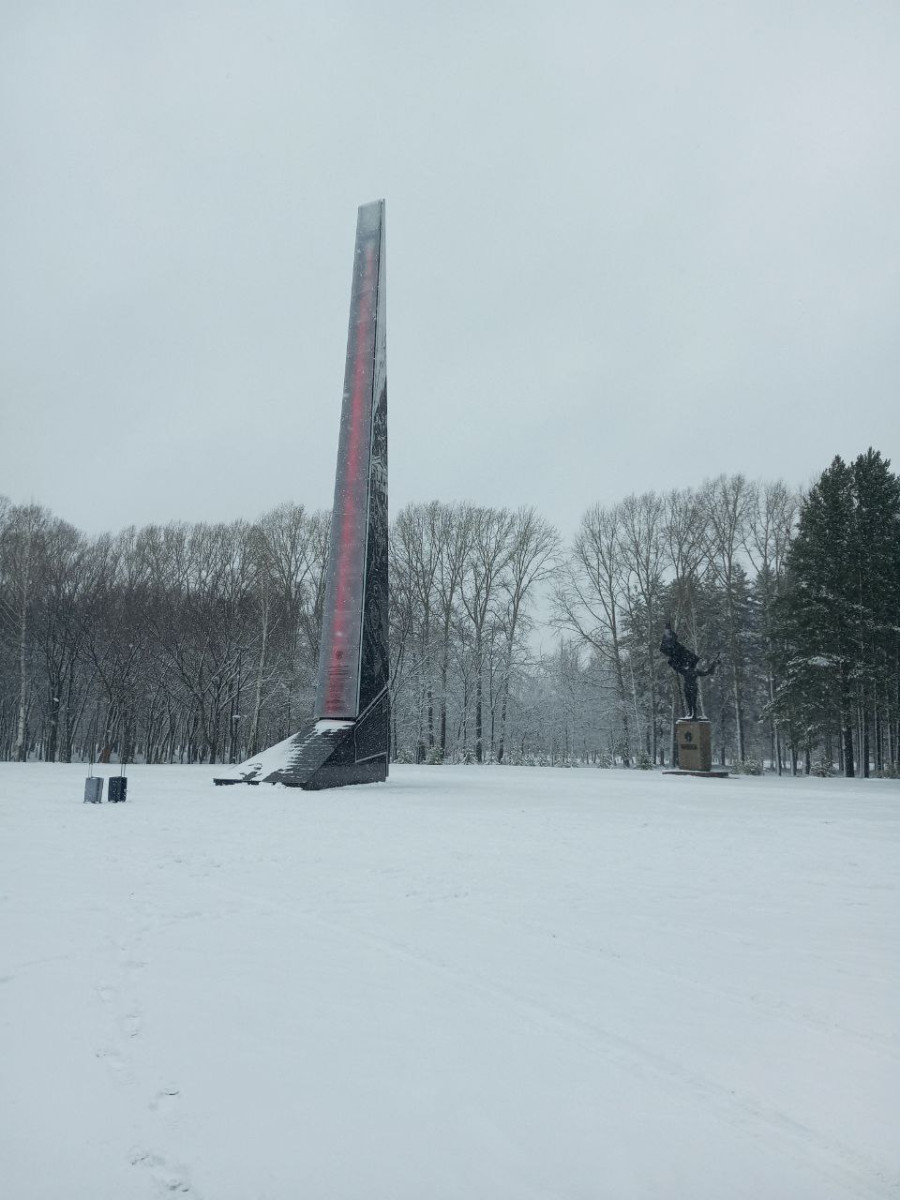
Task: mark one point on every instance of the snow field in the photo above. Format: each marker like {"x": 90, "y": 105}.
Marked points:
{"x": 465, "y": 983}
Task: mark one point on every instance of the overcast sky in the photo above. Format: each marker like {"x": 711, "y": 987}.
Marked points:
{"x": 629, "y": 245}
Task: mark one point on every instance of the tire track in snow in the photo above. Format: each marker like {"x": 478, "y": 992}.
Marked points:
{"x": 857, "y": 1170}
{"x": 862, "y": 1176}
{"x": 778, "y": 1010}
{"x": 832, "y": 1159}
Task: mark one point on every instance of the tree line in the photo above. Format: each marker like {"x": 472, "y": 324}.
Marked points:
{"x": 199, "y": 642}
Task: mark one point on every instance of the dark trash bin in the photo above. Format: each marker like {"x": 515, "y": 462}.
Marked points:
{"x": 118, "y": 786}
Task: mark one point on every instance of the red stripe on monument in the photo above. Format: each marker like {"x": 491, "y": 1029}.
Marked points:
{"x": 347, "y": 563}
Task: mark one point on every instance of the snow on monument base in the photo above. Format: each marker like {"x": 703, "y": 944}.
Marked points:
{"x": 323, "y": 754}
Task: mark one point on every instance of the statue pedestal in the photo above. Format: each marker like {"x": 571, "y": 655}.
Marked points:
{"x": 694, "y": 745}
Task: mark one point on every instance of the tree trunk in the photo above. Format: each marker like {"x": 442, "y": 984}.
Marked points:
{"x": 479, "y": 747}
{"x": 623, "y": 705}
{"x": 847, "y": 723}
{"x": 21, "y": 752}
{"x": 54, "y": 705}
{"x": 504, "y": 704}
{"x": 847, "y": 737}
{"x": 445, "y": 667}
{"x": 651, "y": 715}
{"x": 739, "y": 716}
{"x": 257, "y": 693}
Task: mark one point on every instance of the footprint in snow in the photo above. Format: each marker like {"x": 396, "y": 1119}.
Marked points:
{"x": 131, "y": 1024}
{"x": 114, "y": 1061}
{"x": 168, "y": 1178}
{"x": 164, "y": 1098}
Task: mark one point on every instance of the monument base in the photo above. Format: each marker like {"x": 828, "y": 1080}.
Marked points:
{"x": 324, "y": 754}
{"x": 700, "y": 774}
{"x": 692, "y": 737}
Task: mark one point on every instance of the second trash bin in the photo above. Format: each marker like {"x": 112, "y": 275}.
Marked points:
{"x": 118, "y": 786}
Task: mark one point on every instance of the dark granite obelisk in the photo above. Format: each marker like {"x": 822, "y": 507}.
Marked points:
{"x": 347, "y": 741}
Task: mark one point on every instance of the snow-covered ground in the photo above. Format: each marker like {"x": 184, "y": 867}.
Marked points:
{"x": 468, "y": 982}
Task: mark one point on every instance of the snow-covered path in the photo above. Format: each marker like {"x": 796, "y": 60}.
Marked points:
{"x": 492, "y": 983}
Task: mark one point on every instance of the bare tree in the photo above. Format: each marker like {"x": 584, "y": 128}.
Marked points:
{"x": 454, "y": 534}
{"x": 729, "y": 502}
{"x": 289, "y": 552}
{"x": 770, "y": 529}
{"x": 534, "y": 557}
{"x": 641, "y": 539}
{"x": 684, "y": 540}
{"x": 589, "y": 600}
{"x": 22, "y": 550}
{"x": 417, "y": 555}
{"x": 489, "y": 555}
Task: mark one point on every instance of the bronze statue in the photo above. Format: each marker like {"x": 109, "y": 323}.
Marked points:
{"x": 686, "y": 663}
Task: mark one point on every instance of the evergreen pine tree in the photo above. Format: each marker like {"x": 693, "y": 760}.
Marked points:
{"x": 837, "y": 620}
{"x": 816, "y": 615}
{"x": 877, "y": 565}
